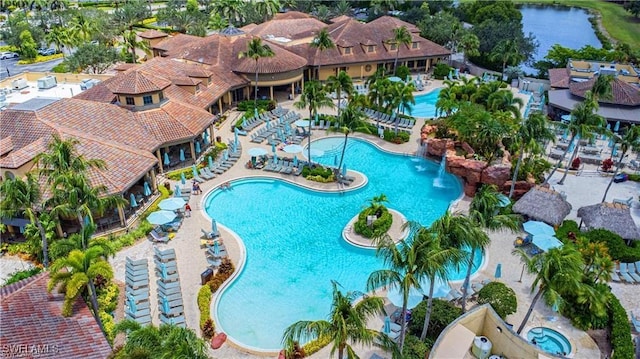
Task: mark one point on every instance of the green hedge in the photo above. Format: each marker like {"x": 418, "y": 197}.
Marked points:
{"x": 441, "y": 71}
{"x": 414, "y": 348}
{"x": 442, "y": 314}
{"x": 618, "y": 249}
{"x": 23, "y": 274}
{"x": 264, "y": 105}
{"x": 501, "y": 298}
{"x": 107, "y": 303}
{"x": 204, "y": 304}
{"x": 40, "y": 58}
{"x": 379, "y": 227}
{"x": 318, "y": 174}
{"x": 391, "y": 136}
{"x": 620, "y": 331}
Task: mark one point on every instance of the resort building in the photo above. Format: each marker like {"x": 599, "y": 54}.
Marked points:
{"x": 581, "y": 71}
{"x": 32, "y": 324}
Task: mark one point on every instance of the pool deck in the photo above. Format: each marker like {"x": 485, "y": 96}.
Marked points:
{"x": 191, "y": 258}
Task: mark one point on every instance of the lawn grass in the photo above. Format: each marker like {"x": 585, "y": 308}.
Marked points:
{"x": 618, "y": 22}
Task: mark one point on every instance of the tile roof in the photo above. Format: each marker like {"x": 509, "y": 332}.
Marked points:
{"x": 137, "y": 82}
{"x": 291, "y": 15}
{"x": 559, "y": 78}
{"x": 282, "y": 61}
{"x": 6, "y": 145}
{"x": 32, "y": 324}
{"x": 291, "y": 28}
{"x": 622, "y": 92}
{"x": 174, "y": 122}
{"x": 339, "y": 19}
{"x": 152, "y": 34}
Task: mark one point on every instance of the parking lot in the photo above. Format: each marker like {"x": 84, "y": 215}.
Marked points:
{"x": 14, "y": 68}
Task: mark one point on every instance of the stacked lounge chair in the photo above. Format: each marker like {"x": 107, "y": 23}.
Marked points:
{"x": 137, "y": 306}
{"x": 215, "y": 256}
{"x": 170, "y": 302}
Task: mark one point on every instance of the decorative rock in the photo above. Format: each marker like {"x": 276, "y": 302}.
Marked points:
{"x": 218, "y": 340}
{"x": 438, "y": 147}
{"x": 496, "y": 175}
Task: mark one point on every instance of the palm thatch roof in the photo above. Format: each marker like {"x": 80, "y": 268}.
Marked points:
{"x": 544, "y": 205}
{"x": 612, "y": 217}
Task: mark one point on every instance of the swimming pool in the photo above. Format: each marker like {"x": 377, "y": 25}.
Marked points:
{"x": 425, "y": 106}
{"x": 293, "y": 238}
{"x": 549, "y": 340}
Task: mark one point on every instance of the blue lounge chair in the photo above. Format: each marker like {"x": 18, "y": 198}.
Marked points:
{"x": 614, "y": 276}
{"x": 158, "y": 237}
{"x": 204, "y": 175}
{"x": 624, "y": 273}
{"x": 633, "y": 272}
{"x": 626, "y": 202}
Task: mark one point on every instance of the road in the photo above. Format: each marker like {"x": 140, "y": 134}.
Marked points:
{"x": 14, "y": 68}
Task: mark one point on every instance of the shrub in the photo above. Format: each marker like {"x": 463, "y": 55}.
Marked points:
{"x": 414, "y": 348}
{"x": 442, "y": 314}
{"x": 264, "y": 105}
{"x": 441, "y": 71}
{"x": 567, "y": 226}
{"x": 318, "y": 174}
{"x": 315, "y": 345}
{"x": 502, "y": 298}
{"x": 40, "y": 58}
{"x": 109, "y": 325}
{"x": 208, "y": 329}
{"x": 223, "y": 273}
{"x": 379, "y": 227}
{"x": 22, "y": 274}
{"x": 620, "y": 331}
{"x": 60, "y": 68}
{"x": 204, "y": 304}
{"x": 618, "y": 249}
{"x": 390, "y": 136}
{"x": 107, "y": 303}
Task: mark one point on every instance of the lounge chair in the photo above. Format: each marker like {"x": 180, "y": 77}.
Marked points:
{"x": 208, "y": 172}
{"x": 626, "y": 202}
{"x": 178, "y": 321}
{"x": 136, "y": 263}
{"x": 614, "y": 275}
{"x": 173, "y": 312}
{"x": 214, "y": 262}
{"x": 157, "y": 237}
{"x": 136, "y": 280}
{"x": 139, "y": 312}
{"x": 198, "y": 179}
{"x": 168, "y": 287}
{"x": 222, "y": 253}
{"x": 624, "y": 273}
{"x": 137, "y": 291}
{"x": 140, "y": 297}
{"x": 208, "y": 235}
{"x": 636, "y": 322}
{"x": 204, "y": 175}
{"x": 454, "y": 295}
{"x": 169, "y": 267}
{"x": 139, "y": 306}
{"x": 167, "y": 255}
{"x": 633, "y": 272}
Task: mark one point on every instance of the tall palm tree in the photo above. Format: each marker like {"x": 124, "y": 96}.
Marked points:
{"x": 470, "y": 45}
{"x": 166, "y": 341}
{"x": 505, "y": 101}
{"x": 584, "y": 122}
{"x": 350, "y": 120}
{"x": 630, "y": 139}
{"x": 401, "y": 36}
{"x": 557, "y": 270}
{"x": 84, "y": 26}
{"x": 404, "y": 267}
{"x": 24, "y": 197}
{"x": 346, "y": 324}
{"x": 531, "y": 133}
{"x": 267, "y": 8}
{"x": 229, "y": 9}
{"x": 340, "y": 84}
{"x": 402, "y": 98}
{"x": 507, "y": 52}
{"x": 313, "y": 97}
{"x": 76, "y": 273}
{"x": 130, "y": 42}
{"x": 256, "y": 50}
{"x": 322, "y": 42}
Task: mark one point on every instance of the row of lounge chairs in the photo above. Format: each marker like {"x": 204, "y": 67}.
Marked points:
{"x": 137, "y": 291}
{"x": 277, "y": 129}
{"x": 225, "y": 162}
{"x": 170, "y": 304}
{"x": 627, "y": 272}
{"x": 386, "y": 119}
{"x": 322, "y": 125}
{"x": 253, "y": 122}
{"x": 284, "y": 166}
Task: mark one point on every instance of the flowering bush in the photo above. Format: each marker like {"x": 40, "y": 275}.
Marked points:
{"x": 607, "y": 164}
{"x": 576, "y": 163}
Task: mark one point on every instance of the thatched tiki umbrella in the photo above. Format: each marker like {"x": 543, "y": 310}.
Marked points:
{"x": 612, "y": 217}
{"x": 543, "y": 204}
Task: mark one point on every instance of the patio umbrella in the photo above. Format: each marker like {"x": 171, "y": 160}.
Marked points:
{"x": 397, "y": 79}
{"x": 302, "y": 123}
{"x": 146, "y": 190}
{"x": 216, "y": 246}
{"x": 269, "y": 125}
{"x": 440, "y": 289}
{"x": 161, "y": 217}
{"x": 414, "y": 298}
{"x": 257, "y": 151}
{"x": 538, "y": 228}
{"x": 198, "y": 149}
{"x": 295, "y": 161}
{"x": 498, "y": 272}
{"x": 171, "y": 204}
{"x": 255, "y": 112}
{"x": 210, "y": 161}
{"x": 165, "y": 304}
{"x": 292, "y": 149}
{"x": 235, "y": 136}
{"x": 344, "y": 169}
{"x": 614, "y": 151}
{"x": 566, "y": 118}
{"x": 387, "y": 325}
{"x": 132, "y": 303}
{"x": 275, "y": 158}
{"x": 132, "y": 199}
{"x": 181, "y": 158}
{"x": 273, "y": 147}
{"x": 546, "y": 242}
{"x": 225, "y": 155}
{"x": 214, "y": 226}
{"x": 166, "y": 159}
{"x": 177, "y": 192}
{"x": 183, "y": 178}
{"x": 205, "y": 137}
{"x": 616, "y": 127}
{"x": 194, "y": 171}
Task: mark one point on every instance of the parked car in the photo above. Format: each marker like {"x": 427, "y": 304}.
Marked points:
{"x": 46, "y": 52}
{"x": 8, "y": 55}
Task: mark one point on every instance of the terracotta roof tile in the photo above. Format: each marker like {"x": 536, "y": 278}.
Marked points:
{"x": 32, "y": 325}
{"x": 622, "y": 92}
{"x": 291, "y": 28}
{"x": 136, "y": 82}
{"x": 340, "y": 18}
{"x": 152, "y": 34}
{"x": 175, "y": 122}
{"x": 6, "y": 144}
{"x": 559, "y": 78}
{"x": 282, "y": 61}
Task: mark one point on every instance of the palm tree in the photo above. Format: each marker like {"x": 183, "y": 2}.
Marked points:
{"x": 350, "y": 120}
{"x": 470, "y": 45}
{"x": 532, "y": 131}
{"x": 505, "y": 101}
{"x": 401, "y": 36}
{"x": 313, "y": 97}
{"x": 340, "y": 83}
{"x": 404, "y": 267}
{"x": 256, "y": 50}
{"x": 342, "y": 7}
{"x": 346, "y": 325}
{"x": 84, "y": 26}
{"x": 508, "y": 52}
{"x": 58, "y": 36}
{"x": 583, "y": 123}
{"x": 24, "y": 196}
{"x": 267, "y": 8}
{"x": 402, "y": 98}
{"x": 130, "y": 42}
{"x": 166, "y": 341}
{"x": 229, "y": 9}
{"x": 557, "y": 270}
{"x": 76, "y": 273}
{"x": 322, "y": 42}
{"x": 630, "y": 139}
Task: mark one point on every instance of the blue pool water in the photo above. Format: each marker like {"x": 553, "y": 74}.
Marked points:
{"x": 549, "y": 340}
{"x": 294, "y": 244}
{"x": 425, "y": 106}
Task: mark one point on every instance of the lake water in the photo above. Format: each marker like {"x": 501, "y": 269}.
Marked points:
{"x": 569, "y": 27}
